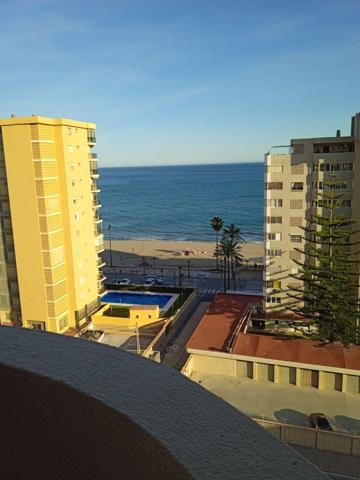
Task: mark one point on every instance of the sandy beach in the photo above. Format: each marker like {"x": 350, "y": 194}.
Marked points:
{"x": 169, "y": 252}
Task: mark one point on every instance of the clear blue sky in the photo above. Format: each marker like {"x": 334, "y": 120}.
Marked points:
{"x": 172, "y": 82}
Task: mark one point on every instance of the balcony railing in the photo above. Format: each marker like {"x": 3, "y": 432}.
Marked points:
{"x": 93, "y": 156}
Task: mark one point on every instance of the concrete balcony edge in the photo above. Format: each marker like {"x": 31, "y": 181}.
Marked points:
{"x": 157, "y": 420}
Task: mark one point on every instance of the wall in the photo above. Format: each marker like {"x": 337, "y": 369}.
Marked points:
{"x": 312, "y": 376}
{"x": 137, "y": 316}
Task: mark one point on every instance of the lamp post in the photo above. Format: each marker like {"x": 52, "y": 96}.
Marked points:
{"x": 180, "y": 275}
{"x": 109, "y": 230}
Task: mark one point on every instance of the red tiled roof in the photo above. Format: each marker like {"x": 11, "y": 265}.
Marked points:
{"x": 220, "y": 320}
{"x": 222, "y": 317}
{"x": 297, "y": 350}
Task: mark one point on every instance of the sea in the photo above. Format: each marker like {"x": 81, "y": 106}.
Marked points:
{"x": 178, "y": 202}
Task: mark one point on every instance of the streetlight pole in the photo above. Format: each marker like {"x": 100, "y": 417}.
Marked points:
{"x": 109, "y": 230}
{"x": 180, "y": 276}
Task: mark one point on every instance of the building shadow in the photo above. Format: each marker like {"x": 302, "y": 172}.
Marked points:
{"x": 287, "y": 415}
{"x": 351, "y": 425}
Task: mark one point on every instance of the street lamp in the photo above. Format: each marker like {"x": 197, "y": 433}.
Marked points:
{"x": 109, "y": 230}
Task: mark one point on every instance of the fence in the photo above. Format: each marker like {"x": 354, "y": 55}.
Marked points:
{"x": 313, "y": 438}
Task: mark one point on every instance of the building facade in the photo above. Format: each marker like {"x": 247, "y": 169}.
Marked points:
{"x": 51, "y": 234}
{"x": 294, "y": 176}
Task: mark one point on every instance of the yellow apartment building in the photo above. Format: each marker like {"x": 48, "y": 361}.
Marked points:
{"x": 294, "y": 176}
{"x": 50, "y": 227}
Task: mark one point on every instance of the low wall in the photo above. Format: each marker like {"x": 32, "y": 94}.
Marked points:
{"x": 313, "y": 438}
{"x": 159, "y": 342}
{"x": 276, "y": 371}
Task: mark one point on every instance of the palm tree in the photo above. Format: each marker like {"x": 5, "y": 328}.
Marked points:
{"x": 217, "y": 224}
{"x": 229, "y": 251}
{"x": 232, "y": 232}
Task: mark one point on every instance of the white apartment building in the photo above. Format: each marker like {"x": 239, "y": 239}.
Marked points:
{"x": 294, "y": 174}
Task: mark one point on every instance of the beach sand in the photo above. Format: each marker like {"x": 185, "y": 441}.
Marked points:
{"x": 174, "y": 252}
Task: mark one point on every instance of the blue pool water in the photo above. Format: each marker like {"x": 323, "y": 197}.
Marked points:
{"x": 134, "y": 298}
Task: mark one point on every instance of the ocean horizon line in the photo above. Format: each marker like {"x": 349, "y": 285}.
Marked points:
{"x": 183, "y": 165}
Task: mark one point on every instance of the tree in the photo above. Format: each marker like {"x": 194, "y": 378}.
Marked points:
{"x": 217, "y": 224}
{"x": 229, "y": 251}
{"x": 328, "y": 295}
{"x": 232, "y": 232}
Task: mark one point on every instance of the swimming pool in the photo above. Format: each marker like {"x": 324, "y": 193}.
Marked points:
{"x": 138, "y": 298}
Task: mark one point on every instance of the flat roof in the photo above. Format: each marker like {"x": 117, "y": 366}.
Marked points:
{"x": 35, "y": 119}
{"x": 220, "y": 320}
{"x": 297, "y": 350}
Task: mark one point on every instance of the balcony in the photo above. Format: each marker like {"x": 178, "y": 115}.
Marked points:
{"x": 101, "y": 277}
{"x": 96, "y": 201}
{"x": 94, "y": 187}
{"x": 91, "y": 137}
{"x": 100, "y": 262}
{"x": 124, "y": 405}
{"x": 97, "y": 217}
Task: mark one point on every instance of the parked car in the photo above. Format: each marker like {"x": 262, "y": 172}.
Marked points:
{"x": 125, "y": 281}
{"x": 159, "y": 281}
{"x": 320, "y": 421}
{"x": 150, "y": 281}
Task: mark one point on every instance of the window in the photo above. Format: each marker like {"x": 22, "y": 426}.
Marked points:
{"x": 273, "y": 185}
{"x": 70, "y": 148}
{"x": 346, "y": 203}
{"x": 295, "y": 238}
{"x": 347, "y": 166}
{"x": 137, "y": 317}
{"x": 274, "y": 219}
{"x": 273, "y": 252}
{"x": 77, "y": 216}
{"x": 74, "y": 201}
{"x": 273, "y": 236}
{"x": 149, "y": 317}
{"x": 296, "y": 204}
{"x": 69, "y": 131}
{"x": 36, "y": 325}
{"x": 297, "y": 186}
{"x": 73, "y": 183}
{"x": 275, "y": 202}
{"x": 72, "y": 166}
{"x": 274, "y": 284}
{"x": 63, "y": 322}
{"x": 273, "y": 300}
{"x": 335, "y": 167}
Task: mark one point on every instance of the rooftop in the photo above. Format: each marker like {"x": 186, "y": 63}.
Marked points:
{"x": 220, "y": 321}
{"x": 219, "y": 324}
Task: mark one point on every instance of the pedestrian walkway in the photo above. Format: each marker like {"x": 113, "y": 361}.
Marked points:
{"x": 177, "y": 351}
{"x": 209, "y": 290}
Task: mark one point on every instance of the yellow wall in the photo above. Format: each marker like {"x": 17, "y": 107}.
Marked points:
{"x": 137, "y": 316}
{"x": 25, "y": 221}
{"x": 52, "y": 216}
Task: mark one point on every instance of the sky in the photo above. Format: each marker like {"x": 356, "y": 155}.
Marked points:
{"x": 173, "y": 82}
